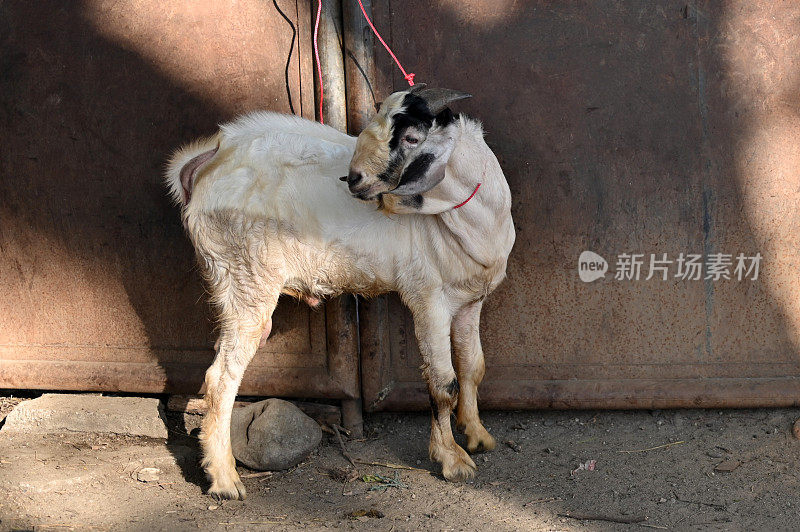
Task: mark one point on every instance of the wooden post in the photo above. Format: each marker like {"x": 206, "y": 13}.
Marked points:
{"x": 359, "y": 66}
{"x": 340, "y": 313}
{"x": 334, "y": 104}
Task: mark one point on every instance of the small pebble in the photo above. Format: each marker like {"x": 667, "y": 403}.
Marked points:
{"x": 775, "y": 419}
{"x": 513, "y": 445}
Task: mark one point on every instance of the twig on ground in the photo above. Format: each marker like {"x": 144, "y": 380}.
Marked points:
{"x": 610, "y": 518}
{"x": 275, "y": 519}
{"x": 257, "y": 475}
{"x": 390, "y": 466}
{"x": 537, "y": 501}
{"x": 64, "y": 525}
{"x": 383, "y": 483}
{"x": 712, "y": 504}
{"x": 336, "y": 429}
{"x": 654, "y": 448}
{"x": 654, "y": 526}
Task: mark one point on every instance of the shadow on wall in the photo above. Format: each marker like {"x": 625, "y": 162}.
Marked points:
{"x": 625, "y": 127}
{"x": 622, "y": 121}
{"x": 95, "y": 265}
{"x": 94, "y": 97}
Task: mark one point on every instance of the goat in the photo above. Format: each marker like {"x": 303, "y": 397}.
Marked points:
{"x": 267, "y": 215}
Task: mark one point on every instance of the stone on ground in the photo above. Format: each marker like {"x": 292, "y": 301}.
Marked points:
{"x": 148, "y": 474}
{"x": 273, "y": 435}
{"x": 56, "y": 413}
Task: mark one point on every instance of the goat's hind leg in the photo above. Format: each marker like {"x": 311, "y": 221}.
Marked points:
{"x": 218, "y": 461}
{"x": 243, "y": 326}
{"x": 470, "y": 367}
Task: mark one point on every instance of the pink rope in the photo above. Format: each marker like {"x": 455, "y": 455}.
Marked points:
{"x": 469, "y": 198}
{"x": 409, "y": 77}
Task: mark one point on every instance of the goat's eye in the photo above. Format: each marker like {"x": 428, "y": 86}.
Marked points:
{"x": 410, "y": 140}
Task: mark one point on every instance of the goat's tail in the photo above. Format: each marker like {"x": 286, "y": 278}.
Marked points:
{"x": 184, "y": 164}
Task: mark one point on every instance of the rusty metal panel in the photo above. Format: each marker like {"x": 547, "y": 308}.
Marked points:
{"x": 100, "y": 289}
{"x": 623, "y": 127}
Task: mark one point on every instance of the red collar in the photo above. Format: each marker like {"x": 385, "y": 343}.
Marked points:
{"x": 469, "y": 198}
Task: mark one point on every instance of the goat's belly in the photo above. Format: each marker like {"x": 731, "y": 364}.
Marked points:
{"x": 312, "y": 300}
{"x": 313, "y": 290}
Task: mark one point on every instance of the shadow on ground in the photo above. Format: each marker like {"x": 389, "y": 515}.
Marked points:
{"x": 532, "y": 481}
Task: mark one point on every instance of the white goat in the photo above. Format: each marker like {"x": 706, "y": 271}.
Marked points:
{"x": 267, "y": 215}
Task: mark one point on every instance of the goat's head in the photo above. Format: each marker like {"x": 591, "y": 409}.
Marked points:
{"x": 405, "y": 149}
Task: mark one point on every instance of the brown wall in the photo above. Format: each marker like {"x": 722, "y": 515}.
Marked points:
{"x": 99, "y": 284}
{"x": 623, "y": 127}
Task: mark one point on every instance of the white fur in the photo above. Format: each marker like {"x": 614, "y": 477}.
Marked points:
{"x": 269, "y": 214}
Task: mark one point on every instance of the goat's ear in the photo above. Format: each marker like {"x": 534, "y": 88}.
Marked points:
{"x": 426, "y": 168}
{"x": 438, "y": 99}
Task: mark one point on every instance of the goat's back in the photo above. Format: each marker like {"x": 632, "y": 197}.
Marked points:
{"x": 276, "y": 179}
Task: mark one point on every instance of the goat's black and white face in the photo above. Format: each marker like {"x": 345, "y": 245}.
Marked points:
{"x": 405, "y": 149}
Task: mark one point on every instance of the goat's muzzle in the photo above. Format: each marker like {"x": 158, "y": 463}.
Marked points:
{"x": 361, "y": 188}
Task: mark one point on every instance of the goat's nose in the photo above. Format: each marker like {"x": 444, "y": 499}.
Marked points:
{"x": 354, "y": 178}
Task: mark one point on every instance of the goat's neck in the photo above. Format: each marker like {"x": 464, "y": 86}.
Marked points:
{"x": 482, "y": 226}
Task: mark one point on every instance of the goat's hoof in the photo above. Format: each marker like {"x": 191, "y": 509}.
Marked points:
{"x": 479, "y": 440}
{"x": 457, "y": 466}
{"x": 228, "y": 491}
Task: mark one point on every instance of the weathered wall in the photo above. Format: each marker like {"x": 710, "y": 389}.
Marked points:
{"x": 99, "y": 286}
{"x": 623, "y": 127}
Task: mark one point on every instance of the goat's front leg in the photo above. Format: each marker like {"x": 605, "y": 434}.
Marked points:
{"x": 465, "y": 333}
{"x": 432, "y": 321}
{"x": 237, "y": 344}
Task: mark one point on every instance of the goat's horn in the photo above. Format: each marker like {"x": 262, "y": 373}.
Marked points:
{"x": 438, "y": 99}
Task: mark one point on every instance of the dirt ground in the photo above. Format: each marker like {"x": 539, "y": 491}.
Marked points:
{"x": 670, "y": 470}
